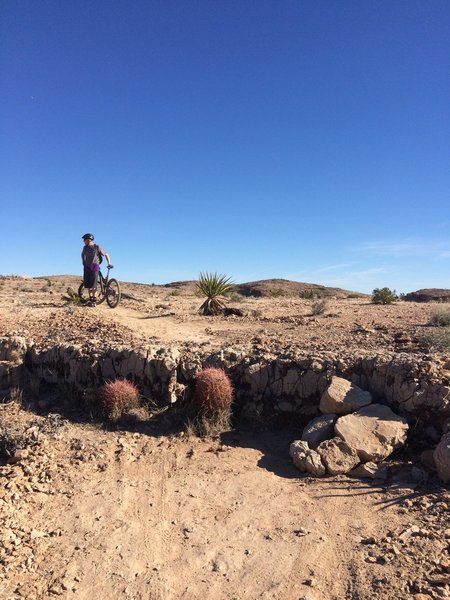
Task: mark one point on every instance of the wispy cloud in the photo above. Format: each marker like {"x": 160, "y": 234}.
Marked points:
{"x": 333, "y": 268}
{"x": 405, "y": 247}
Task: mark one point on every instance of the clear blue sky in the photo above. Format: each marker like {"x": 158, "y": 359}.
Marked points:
{"x": 303, "y": 139}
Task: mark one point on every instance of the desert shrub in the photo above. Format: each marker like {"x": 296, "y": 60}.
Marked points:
{"x": 235, "y": 297}
{"x": 319, "y": 307}
{"x": 118, "y": 396}
{"x": 383, "y": 296}
{"x": 437, "y": 340}
{"x": 277, "y": 292}
{"x": 440, "y": 317}
{"x": 72, "y": 298}
{"x": 175, "y": 292}
{"x": 213, "y": 398}
{"x": 216, "y": 288}
{"x": 309, "y": 294}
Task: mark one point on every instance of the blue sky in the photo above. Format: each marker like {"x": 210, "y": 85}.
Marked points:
{"x": 308, "y": 140}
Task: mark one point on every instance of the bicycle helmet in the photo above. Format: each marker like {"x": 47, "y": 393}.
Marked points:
{"x": 88, "y": 236}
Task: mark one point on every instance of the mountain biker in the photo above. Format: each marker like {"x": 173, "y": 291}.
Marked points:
{"x": 91, "y": 256}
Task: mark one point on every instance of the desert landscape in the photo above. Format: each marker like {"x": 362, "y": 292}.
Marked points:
{"x": 145, "y": 509}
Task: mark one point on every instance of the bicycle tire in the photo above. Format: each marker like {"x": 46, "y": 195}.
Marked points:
{"x": 83, "y": 293}
{"x": 113, "y": 293}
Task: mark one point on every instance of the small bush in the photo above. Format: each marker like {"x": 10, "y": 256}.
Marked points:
{"x": 309, "y": 294}
{"x": 235, "y": 297}
{"x": 437, "y": 340}
{"x": 440, "y": 318}
{"x": 383, "y": 296}
{"x": 277, "y": 292}
{"x": 319, "y": 307}
{"x": 72, "y": 298}
{"x": 213, "y": 398}
{"x": 118, "y": 396}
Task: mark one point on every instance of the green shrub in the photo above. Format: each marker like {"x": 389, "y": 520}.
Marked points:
{"x": 277, "y": 292}
{"x": 118, "y": 396}
{"x": 440, "y": 317}
{"x": 309, "y": 294}
{"x": 383, "y": 296}
{"x": 216, "y": 288}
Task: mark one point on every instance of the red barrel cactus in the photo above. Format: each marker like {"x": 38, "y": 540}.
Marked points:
{"x": 118, "y": 396}
{"x": 213, "y": 391}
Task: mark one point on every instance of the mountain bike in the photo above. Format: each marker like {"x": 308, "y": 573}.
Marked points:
{"x": 107, "y": 289}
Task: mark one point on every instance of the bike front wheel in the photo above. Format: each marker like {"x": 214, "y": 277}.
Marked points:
{"x": 113, "y": 293}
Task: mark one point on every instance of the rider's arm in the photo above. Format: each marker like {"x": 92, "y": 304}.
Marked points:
{"x": 106, "y": 255}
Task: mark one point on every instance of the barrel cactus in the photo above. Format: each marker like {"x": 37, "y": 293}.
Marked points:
{"x": 213, "y": 398}
{"x": 118, "y": 396}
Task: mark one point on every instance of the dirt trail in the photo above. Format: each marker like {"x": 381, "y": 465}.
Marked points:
{"x": 161, "y": 518}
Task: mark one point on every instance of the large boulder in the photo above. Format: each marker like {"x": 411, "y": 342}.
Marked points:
{"x": 442, "y": 458}
{"x": 337, "y": 456}
{"x": 319, "y": 429}
{"x": 374, "y": 431}
{"x": 343, "y": 397}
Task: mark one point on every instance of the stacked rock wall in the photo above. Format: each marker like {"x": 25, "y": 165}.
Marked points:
{"x": 265, "y": 383}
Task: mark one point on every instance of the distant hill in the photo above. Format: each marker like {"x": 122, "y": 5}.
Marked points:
{"x": 265, "y": 288}
{"x": 285, "y": 287}
{"x": 429, "y": 295}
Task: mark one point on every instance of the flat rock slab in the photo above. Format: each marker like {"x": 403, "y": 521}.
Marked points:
{"x": 343, "y": 397}
{"x": 374, "y": 431}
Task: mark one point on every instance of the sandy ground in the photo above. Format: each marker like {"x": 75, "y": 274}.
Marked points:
{"x": 145, "y": 511}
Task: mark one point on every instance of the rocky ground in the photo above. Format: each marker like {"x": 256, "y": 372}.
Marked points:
{"x": 34, "y": 309}
{"x": 145, "y": 511}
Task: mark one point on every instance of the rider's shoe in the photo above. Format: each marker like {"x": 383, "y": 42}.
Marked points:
{"x": 91, "y": 303}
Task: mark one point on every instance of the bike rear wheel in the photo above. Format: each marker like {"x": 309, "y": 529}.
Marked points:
{"x": 83, "y": 293}
{"x": 113, "y": 293}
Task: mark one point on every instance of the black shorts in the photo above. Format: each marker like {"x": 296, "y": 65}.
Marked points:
{"x": 90, "y": 278}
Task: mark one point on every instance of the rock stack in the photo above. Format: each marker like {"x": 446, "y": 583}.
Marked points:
{"x": 351, "y": 436}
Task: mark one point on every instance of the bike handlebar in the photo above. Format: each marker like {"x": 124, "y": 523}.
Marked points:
{"x": 110, "y": 267}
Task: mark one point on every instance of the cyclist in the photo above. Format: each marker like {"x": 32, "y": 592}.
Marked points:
{"x": 92, "y": 256}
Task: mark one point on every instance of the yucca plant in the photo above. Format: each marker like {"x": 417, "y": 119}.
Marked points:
{"x": 216, "y": 288}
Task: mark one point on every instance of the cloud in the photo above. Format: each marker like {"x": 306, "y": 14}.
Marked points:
{"x": 333, "y": 268}
{"x": 405, "y": 247}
